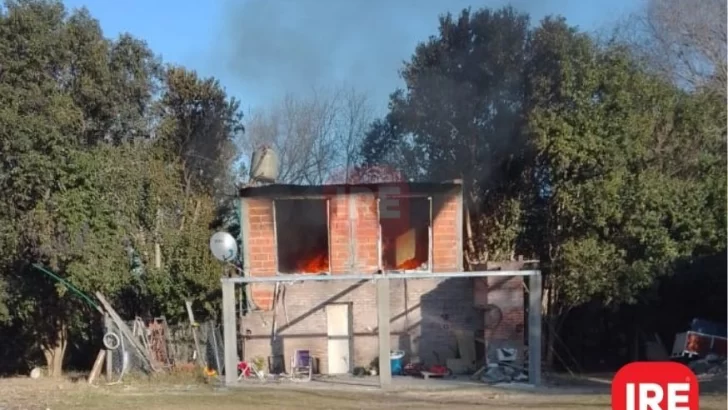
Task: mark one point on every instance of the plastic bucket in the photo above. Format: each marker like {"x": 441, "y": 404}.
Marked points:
{"x": 396, "y": 360}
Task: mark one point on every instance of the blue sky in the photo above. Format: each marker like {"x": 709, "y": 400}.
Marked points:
{"x": 261, "y": 49}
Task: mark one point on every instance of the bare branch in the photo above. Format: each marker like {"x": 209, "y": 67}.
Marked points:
{"x": 683, "y": 40}
{"x": 315, "y": 136}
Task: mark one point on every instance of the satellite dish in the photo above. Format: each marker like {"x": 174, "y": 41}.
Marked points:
{"x": 223, "y": 246}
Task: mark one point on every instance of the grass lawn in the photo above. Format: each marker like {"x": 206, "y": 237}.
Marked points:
{"x": 24, "y": 393}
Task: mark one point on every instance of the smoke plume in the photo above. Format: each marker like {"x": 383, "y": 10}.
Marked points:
{"x": 269, "y": 47}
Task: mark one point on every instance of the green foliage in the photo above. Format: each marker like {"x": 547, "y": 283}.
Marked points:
{"x": 570, "y": 152}
{"x": 625, "y": 196}
{"x": 200, "y": 125}
{"x": 98, "y": 141}
{"x": 116, "y": 168}
{"x": 78, "y": 229}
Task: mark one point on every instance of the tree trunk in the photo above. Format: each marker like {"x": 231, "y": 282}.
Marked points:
{"x": 55, "y": 351}
{"x": 196, "y": 213}
{"x": 470, "y": 254}
{"x": 157, "y": 255}
{"x": 549, "y": 345}
{"x": 474, "y": 256}
{"x": 157, "y": 245}
{"x": 554, "y": 320}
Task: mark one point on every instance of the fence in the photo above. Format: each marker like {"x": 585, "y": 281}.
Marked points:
{"x": 155, "y": 345}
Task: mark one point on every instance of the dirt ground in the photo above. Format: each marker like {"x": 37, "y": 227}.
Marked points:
{"x": 24, "y": 393}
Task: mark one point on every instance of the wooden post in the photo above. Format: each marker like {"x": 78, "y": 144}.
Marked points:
{"x": 96, "y": 369}
{"x": 193, "y": 325}
{"x": 125, "y": 331}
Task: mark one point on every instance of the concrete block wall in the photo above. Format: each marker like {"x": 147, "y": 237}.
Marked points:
{"x": 424, "y": 315}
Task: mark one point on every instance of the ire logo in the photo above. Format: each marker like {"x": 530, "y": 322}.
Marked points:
{"x": 655, "y": 386}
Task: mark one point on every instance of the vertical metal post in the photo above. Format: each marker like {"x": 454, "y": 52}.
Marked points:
{"x": 534, "y": 329}
{"x": 229, "y": 332}
{"x": 216, "y": 349}
{"x": 385, "y": 369}
{"x": 109, "y": 353}
{"x": 430, "y": 239}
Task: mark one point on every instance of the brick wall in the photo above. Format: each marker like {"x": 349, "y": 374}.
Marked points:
{"x": 507, "y": 293}
{"x": 424, "y": 315}
{"x": 446, "y": 234}
{"x": 354, "y": 236}
{"x": 365, "y": 219}
{"x": 340, "y": 253}
{"x": 261, "y": 249}
{"x": 435, "y": 308}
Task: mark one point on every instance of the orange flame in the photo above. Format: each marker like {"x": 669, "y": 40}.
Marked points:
{"x": 315, "y": 264}
{"x": 410, "y": 264}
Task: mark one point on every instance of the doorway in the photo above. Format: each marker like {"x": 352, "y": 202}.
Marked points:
{"x": 338, "y": 331}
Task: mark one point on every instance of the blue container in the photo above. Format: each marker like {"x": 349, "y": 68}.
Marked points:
{"x": 707, "y": 327}
{"x": 396, "y": 358}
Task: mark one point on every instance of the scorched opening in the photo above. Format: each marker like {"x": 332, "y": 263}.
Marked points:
{"x": 302, "y": 237}
{"x": 406, "y": 237}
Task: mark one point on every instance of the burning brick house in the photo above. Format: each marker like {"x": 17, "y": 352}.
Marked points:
{"x": 362, "y": 229}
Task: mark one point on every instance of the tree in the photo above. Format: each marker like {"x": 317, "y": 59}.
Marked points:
{"x": 171, "y": 238}
{"x": 571, "y": 151}
{"x": 616, "y": 199}
{"x": 202, "y": 126}
{"x": 459, "y": 118}
{"x": 99, "y": 178}
{"x": 385, "y": 145}
{"x": 77, "y": 231}
{"x": 685, "y": 41}
{"x": 314, "y": 136}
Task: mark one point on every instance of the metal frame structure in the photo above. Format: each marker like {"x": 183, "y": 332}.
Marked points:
{"x": 230, "y": 334}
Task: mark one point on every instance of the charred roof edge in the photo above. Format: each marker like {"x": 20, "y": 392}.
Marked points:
{"x": 293, "y": 190}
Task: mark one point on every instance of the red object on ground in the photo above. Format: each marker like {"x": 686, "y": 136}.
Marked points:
{"x": 413, "y": 369}
{"x": 704, "y": 345}
{"x": 438, "y": 369}
{"x": 244, "y": 368}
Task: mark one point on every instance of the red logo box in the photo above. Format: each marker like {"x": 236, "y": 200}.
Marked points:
{"x": 655, "y": 386}
{"x": 393, "y": 207}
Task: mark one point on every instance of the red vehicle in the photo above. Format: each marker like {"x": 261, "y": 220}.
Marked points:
{"x": 702, "y": 339}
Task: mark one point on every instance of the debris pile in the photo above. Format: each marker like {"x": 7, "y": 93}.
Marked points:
{"x": 506, "y": 369}
{"x": 710, "y": 366}
{"x": 503, "y": 372}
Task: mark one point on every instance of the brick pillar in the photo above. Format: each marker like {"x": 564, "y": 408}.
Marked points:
{"x": 340, "y": 254}
{"x": 262, "y": 249}
{"x": 366, "y": 232}
{"x": 445, "y": 233}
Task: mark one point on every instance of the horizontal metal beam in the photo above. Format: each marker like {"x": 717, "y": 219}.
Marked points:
{"x": 288, "y": 277}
